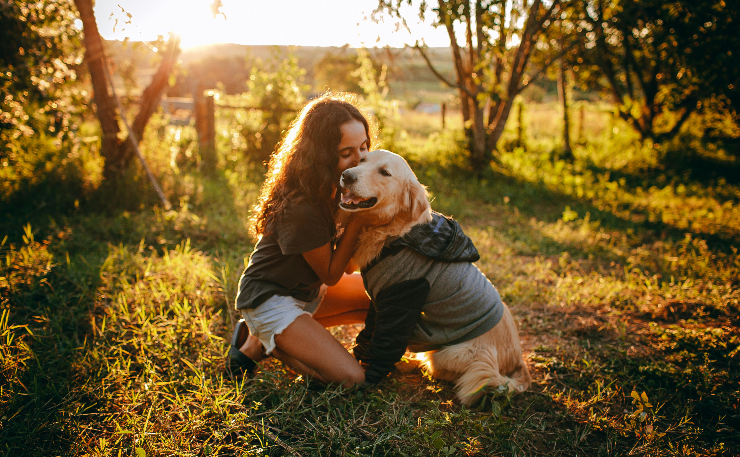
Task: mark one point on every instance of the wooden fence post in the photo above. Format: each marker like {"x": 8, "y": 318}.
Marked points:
{"x": 444, "y": 114}
{"x": 205, "y": 124}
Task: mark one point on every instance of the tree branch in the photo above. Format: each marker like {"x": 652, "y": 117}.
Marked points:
{"x": 453, "y": 41}
{"x": 522, "y": 53}
{"x": 548, "y": 14}
{"x": 437, "y": 73}
{"x": 603, "y": 55}
{"x": 152, "y": 95}
{"x": 546, "y": 65}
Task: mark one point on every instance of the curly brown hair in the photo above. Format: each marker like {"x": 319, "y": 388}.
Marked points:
{"x": 303, "y": 165}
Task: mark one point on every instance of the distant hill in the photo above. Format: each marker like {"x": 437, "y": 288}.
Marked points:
{"x": 229, "y": 64}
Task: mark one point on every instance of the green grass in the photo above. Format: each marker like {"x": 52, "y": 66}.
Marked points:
{"x": 621, "y": 270}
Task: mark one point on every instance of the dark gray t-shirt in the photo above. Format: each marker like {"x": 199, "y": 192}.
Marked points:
{"x": 277, "y": 266}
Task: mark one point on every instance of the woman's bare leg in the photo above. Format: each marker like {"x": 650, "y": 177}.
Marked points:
{"x": 253, "y": 348}
{"x": 318, "y": 353}
{"x": 344, "y": 303}
{"x": 297, "y": 366}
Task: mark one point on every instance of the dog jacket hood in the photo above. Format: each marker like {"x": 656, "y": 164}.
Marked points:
{"x": 441, "y": 239}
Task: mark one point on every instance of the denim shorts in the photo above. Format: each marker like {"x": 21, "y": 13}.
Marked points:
{"x": 275, "y": 315}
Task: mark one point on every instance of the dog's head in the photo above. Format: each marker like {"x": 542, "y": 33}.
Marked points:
{"x": 383, "y": 182}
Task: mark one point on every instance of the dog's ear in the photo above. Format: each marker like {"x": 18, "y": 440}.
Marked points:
{"x": 417, "y": 200}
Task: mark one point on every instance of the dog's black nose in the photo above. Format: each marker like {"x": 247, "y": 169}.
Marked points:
{"x": 348, "y": 177}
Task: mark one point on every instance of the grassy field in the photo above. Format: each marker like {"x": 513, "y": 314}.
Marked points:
{"x": 621, "y": 269}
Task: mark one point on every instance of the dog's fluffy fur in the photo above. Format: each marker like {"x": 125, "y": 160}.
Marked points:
{"x": 385, "y": 184}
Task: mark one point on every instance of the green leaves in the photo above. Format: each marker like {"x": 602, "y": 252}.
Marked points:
{"x": 38, "y": 48}
{"x": 276, "y": 86}
{"x": 658, "y": 60}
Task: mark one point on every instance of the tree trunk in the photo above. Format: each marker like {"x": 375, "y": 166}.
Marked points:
{"x": 473, "y": 121}
{"x": 499, "y": 122}
{"x": 563, "y": 92}
{"x": 532, "y": 27}
{"x": 521, "y": 142}
{"x": 467, "y": 122}
{"x": 104, "y": 103}
{"x": 478, "y": 150}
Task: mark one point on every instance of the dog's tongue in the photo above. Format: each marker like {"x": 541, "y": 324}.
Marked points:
{"x": 349, "y": 198}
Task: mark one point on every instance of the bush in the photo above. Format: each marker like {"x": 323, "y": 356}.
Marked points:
{"x": 277, "y": 88}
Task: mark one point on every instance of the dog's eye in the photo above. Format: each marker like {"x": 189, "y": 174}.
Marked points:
{"x": 384, "y": 172}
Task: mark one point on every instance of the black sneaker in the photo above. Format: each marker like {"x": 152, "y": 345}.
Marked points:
{"x": 238, "y": 364}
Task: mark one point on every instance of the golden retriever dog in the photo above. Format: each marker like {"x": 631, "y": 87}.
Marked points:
{"x": 427, "y": 296}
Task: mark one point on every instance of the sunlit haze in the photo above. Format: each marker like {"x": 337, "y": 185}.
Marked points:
{"x": 278, "y": 22}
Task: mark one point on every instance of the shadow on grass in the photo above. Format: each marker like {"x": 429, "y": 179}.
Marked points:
{"x": 535, "y": 200}
{"x": 685, "y": 166}
{"x": 540, "y": 201}
{"x": 55, "y": 198}
{"x": 48, "y": 394}
{"x": 55, "y": 392}
{"x": 591, "y": 362}
{"x": 700, "y": 168}
{"x": 42, "y": 402}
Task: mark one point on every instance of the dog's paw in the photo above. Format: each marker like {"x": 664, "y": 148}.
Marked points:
{"x": 407, "y": 365}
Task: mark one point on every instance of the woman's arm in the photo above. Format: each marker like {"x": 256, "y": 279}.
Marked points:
{"x": 330, "y": 264}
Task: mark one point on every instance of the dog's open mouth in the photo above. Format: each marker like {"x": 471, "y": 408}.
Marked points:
{"x": 352, "y": 201}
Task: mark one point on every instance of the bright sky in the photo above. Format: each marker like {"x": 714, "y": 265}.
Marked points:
{"x": 265, "y": 22}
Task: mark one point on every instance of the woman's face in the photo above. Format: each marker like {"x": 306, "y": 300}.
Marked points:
{"x": 353, "y": 147}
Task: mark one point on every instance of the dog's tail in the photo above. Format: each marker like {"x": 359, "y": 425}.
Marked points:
{"x": 484, "y": 374}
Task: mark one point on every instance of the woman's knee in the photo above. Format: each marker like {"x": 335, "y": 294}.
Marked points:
{"x": 357, "y": 376}
{"x": 345, "y": 372}
{"x": 351, "y": 376}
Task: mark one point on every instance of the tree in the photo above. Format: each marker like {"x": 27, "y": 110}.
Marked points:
{"x": 118, "y": 153}
{"x": 38, "y": 52}
{"x": 336, "y": 71}
{"x": 276, "y": 86}
{"x": 500, "y": 37}
{"x": 563, "y": 87}
{"x": 709, "y": 35}
{"x": 656, "y": 57}
{"x": 373, "y": 82}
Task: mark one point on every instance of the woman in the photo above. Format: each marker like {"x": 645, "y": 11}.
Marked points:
{"x": 299, "y": 261}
